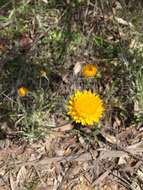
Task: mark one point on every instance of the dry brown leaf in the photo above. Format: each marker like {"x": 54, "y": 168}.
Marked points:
{"x": 45, "y": 1}
{"x": 122, "y": 161}
{"x": 135, "y": 148}
{"x": 21, "y": 176}
{"x": 25, "y": 41}
{"x": 133, "y": 43}
{"x": 82, "y": 141}
{"x": 77, "y": 68}
{"x": 65, "y": 78}
{"x": 109, "y": 138}
{"x": 104, "y": 154}
{"x": 118, "y": 121}
{"x": 2, "y": 48}
{"x": 123, "y": 22}
{"x": 140, "y": 174}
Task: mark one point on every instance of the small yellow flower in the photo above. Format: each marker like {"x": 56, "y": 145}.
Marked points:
{"x": 85, "y": 107}
{"x": 89, "y": 70}
{"x": 22, "y": 91}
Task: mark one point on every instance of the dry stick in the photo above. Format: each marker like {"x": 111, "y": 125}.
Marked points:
{"x": 78, "y": 157}
{"x": 8, "y": 97}
{"x": 85, "y": 156}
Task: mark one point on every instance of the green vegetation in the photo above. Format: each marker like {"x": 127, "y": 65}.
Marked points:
{"x": 42, "y": 36}
{"x": 44, "y": 45}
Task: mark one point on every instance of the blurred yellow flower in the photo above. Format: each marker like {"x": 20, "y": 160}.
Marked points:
{"x": 89, "y": 70}
{"x": 85, "y": 107}
{"x": 22, "y": 91}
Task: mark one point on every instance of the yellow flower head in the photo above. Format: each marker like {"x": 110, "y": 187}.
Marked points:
{"x": 22, "y": 91}
{"x": 85, "y": 107}
{"x": 89, "y": 70}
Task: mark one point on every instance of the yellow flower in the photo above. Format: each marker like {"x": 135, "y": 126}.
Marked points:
{"x": 89, "y": 70}
{"x": 85, "y": 107}
{"x": 22, "y": 91}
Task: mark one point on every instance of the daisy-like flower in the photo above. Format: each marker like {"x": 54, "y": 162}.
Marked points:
{"x": 89, "y": 70}
{"x": 22, "y": 91}
{"x": 85, "y": 107}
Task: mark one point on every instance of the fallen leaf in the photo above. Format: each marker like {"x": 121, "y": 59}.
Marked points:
{"x": 135, "y": 148}
{"x": 121, "y": 161}
{"x": 123, "y": 22}
{"x": 45, "y": 1}
{"x": 140, "y": 174}
{"x": 2, "y": 48}
{"x": 105, "y": 153}
{"x": 109, "y": 138}
{"x": 82, "y": 141}
{"x": 25, "y": 41}
{"x": 77, "y": 68}
{"x": 21, "y": 176}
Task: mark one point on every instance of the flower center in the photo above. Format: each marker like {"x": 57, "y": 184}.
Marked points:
{"x": 86, "y": 105}
{"x": 90, "y": 69}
